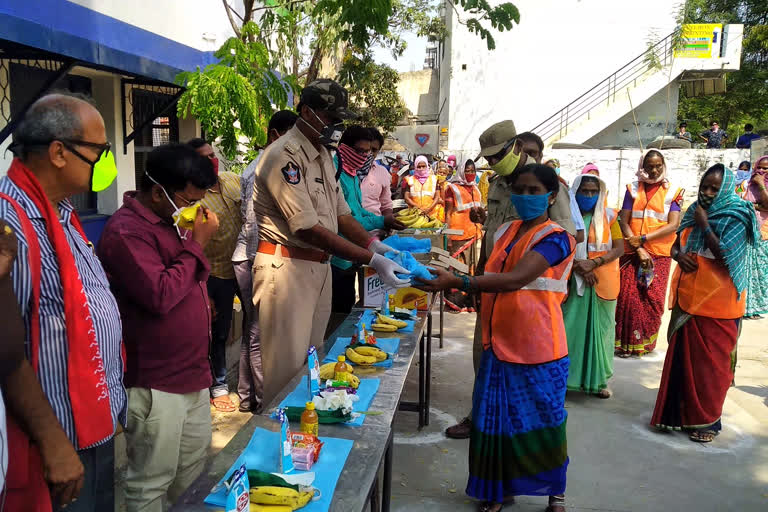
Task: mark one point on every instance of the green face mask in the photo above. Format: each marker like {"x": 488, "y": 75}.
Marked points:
{"x": 508, "y": 164}
{"x": 103, "y": 169}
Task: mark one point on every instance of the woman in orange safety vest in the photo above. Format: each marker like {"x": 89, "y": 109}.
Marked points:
{"x": 590, "y": 310}
{"x": 649, "y": 217}
{"x": 422, "y": 188}
{"x": 708, "y": 299}
{"x": 521, "y": 449}
{"x": 461, "y": 196}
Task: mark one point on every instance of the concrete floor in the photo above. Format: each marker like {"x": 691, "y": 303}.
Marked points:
{"x": 618, "y": 463}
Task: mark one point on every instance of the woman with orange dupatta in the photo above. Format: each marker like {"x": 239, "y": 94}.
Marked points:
{"x": 708, "y": 300}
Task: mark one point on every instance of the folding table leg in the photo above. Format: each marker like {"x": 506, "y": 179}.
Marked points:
{"x": 386, "y": 494}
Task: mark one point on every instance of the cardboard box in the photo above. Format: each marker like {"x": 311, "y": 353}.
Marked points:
{"x": 373, "y": 289}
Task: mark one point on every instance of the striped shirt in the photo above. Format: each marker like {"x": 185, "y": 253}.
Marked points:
{"x": 226, "y": 205}
{"x": 248, "y": 239}
{"x": 52, "y": 369}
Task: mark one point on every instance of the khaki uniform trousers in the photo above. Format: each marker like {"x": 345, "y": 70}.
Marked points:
{"x": 292, "y": 300}
{"x": 167, "y": 438}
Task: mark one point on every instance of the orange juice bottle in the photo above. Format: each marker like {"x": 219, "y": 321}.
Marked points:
{"x": 309, "y": 421}
{"x": 341, "y": 370}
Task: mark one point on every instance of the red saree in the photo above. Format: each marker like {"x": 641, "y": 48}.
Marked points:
{"x": 698, "y": 371}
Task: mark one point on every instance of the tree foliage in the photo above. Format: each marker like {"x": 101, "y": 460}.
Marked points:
{"x": 372, "y": 91}
{"x": 240, "y": 89}
{"x": 746, "y": 98}
{"x": 299, "y": 39}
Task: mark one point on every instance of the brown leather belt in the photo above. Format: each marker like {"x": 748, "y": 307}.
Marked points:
{"x": 297, "y": 253}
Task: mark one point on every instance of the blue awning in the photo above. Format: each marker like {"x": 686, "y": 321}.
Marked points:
{"x": 68, "y": 29}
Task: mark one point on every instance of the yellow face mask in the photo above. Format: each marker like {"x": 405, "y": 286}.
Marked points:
{"x": 185, "y": 217}
{"x": 441, "y": 178}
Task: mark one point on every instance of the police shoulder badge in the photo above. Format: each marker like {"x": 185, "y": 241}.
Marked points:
{"x": 291, "y": 173}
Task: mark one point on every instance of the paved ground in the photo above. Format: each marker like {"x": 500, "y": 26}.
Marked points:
{"x": 617, "y": 462}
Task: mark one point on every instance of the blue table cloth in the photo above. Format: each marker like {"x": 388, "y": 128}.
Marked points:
{"x": 388, "y": 345}
{"x": 263, "y": 453}
{"x": 367, "y": 390}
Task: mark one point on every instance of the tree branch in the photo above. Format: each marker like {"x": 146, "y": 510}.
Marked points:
{"x": 235, "y": 27}
{"x": 290, "y": 4}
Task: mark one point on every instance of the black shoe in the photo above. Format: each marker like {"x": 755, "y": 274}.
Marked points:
{"x": 461, "y": 430}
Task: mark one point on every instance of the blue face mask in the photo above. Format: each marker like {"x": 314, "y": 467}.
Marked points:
{"x": 530, "y": 206}
{"x": 557, "y": 171}
{"x": 587, "y": 203}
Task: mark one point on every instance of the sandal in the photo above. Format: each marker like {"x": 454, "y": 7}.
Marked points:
{"x": 604, "y": 393}
{"x": 223, "y": 404}
{"x": 556, "y": 504}
{"x": 703, "y": 435}
{"x": 488, "y": 506}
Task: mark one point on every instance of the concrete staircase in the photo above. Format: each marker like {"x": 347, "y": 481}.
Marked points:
{"x": 633, "y": 84}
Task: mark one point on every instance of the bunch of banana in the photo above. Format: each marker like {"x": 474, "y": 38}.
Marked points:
{"x": 327, "y": 372}
{"x": 388, "y": 320}
{"x": 359, "y": 358}
{"x": 267, "y": 495}
{"x": 379, "y": 354}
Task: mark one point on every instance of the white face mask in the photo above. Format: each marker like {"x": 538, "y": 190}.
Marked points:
{"x": 331, "y": 133}
{"x": 184, "y": 215}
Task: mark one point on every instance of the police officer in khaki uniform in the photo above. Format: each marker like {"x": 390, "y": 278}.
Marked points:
{"x": 300, "y": 210}
{"x": 506, "y": 151}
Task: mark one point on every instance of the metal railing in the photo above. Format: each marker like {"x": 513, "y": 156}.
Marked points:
{"x": 604, "y": 93}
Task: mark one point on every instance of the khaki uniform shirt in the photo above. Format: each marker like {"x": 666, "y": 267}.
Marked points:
{"x": 226, "y": 205}
{"x": 501, "y": 210}
{"x": 296, "y": 189}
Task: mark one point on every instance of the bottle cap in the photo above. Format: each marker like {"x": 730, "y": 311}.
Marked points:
{"x": 310, "y": 406}
{"x": 341, "y": 359}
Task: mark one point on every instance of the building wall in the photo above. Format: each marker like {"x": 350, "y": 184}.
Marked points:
{"x": 560, "y": 49}
{"x": 420, "y": 90}
{"x": 618, "y": 167}
{"x": 653, "y": 116}
{"x": 201, "y": 24}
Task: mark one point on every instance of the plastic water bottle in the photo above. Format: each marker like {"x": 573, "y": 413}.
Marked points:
{"x": 309, "y": 420}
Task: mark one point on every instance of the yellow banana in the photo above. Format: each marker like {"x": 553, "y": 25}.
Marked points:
{"x": 358, "y": 358}
{"x": 384, "y": 327}
{"x": 379, "y": 354}
{"x": 420, "y": 223}
{"x": 354, "y": 381}
{"x": 273, "y": 495}
{"x": 383, "y": 319}
{"x": 327, "y": 371}
{"x": 304, "y": 498}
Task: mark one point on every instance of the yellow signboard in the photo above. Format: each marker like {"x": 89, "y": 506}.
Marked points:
{"x": 700, "y": 41}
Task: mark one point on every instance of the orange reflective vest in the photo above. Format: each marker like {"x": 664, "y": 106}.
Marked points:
{"x": 651, "y": 215}
{"x": 709, "y": 291}
{"x": 422, "y": 194}
{"x": 464, "y": 198}
{"x": 526, "y": 326}
{"x": 608, "y": 282}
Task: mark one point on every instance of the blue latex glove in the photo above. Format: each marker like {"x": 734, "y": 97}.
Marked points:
{"x": 407, "y": 261}
{"x": 410, "y": 244}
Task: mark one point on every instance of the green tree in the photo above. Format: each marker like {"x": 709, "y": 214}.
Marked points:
{"x": 746, "y": 98}
{"x": 372, "y": 91}
{"x": 239, "y": 90}
{"x": 298, "y": 38}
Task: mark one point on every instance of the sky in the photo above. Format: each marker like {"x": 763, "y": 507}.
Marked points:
{"x": 411, "y": 60}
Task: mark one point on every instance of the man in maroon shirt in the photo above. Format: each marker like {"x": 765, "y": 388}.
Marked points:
{"x": 158, "y": 272}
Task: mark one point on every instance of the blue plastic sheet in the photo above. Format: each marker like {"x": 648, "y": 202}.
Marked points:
{"x": 367, "y": 390}
{"x": 410, "y": 244}
{"x": 388, "y": 345}
{"x": 406, "y": 260}
{"x": 263, "y": 453}
{"x": 369, "y": 318}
